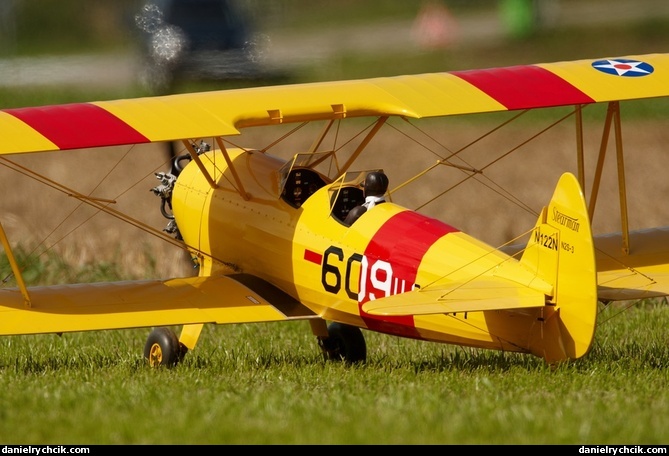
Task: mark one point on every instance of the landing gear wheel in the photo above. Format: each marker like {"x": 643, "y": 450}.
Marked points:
{"x": 163, "y": 348}
{"x": 344, "y": 343}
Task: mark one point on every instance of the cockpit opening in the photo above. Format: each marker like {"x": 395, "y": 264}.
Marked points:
{"x": 300, "y": 179}
{"x": 347, "y": 192}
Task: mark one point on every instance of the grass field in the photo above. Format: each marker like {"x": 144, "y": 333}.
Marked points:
{"x": 267, "y": 383}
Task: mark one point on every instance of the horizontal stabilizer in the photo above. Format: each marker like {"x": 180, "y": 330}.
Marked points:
{"x": 490, "y": 293}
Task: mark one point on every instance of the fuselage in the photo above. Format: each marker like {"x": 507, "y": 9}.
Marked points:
{"x": 333, "y": 269}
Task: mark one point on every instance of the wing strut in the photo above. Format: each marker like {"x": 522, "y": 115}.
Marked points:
{"x": 200, "y": 165}
{"x": 579, "y": 146}
{"x": 613, "y": 117}
{"x": 232, "y": 169}
{"x": 319, "y": 140}
{"x": 15, "y": 268}
{"x": 622, "y": 190}
{"x": 379, "y": 123}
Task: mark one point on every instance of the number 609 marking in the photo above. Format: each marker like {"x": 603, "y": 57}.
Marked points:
{"x": 376, "y": 279}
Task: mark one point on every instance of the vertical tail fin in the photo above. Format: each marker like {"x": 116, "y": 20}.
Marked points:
{"x": 561, "y": 251}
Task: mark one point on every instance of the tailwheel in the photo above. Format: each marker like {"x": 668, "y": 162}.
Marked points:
{"x": 344, "y": 343}
{"x": 163, "y": 348}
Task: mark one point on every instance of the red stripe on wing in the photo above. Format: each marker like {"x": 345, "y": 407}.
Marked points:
{"x": 402, "y": 242}
{"x": 78, "y": 125}
{"x": 524, "y": 87}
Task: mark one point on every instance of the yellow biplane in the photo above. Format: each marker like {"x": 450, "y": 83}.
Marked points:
{"x": 266, "y": 229}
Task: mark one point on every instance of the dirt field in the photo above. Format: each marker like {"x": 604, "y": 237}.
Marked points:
{"x": 512, "y": 164}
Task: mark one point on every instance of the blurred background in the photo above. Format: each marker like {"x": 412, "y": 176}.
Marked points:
{"x": 69, "y": 50}
{"x": 61, "y": 51}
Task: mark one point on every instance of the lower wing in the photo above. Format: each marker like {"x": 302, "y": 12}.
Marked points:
{"x": 236, "y": 298}
{"x": 641, "y": 273}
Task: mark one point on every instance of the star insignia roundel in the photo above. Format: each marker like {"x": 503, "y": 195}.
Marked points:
{"x": 623, "y": 67}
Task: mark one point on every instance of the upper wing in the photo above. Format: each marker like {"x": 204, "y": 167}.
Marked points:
{"x": 135, "y": 304}
{"x": 489, "y": 293}
{"x": 221, "y": 113}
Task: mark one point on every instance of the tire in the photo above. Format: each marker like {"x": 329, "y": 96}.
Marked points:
{"x": 344, "y": 343}
{"x": 163, "y": 348}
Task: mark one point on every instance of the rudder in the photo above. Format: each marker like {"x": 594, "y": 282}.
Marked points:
{"x": 561, "y": 251}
